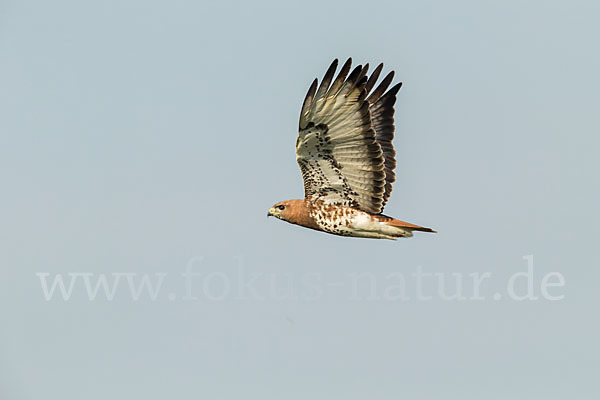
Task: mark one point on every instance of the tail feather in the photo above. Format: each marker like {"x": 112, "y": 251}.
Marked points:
{"x": 408, "y": 226}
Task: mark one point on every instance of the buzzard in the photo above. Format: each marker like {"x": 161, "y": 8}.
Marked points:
{"x": 345, "y": 153}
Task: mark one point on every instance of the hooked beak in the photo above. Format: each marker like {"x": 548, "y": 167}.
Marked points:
{"x": 271, "y": 213}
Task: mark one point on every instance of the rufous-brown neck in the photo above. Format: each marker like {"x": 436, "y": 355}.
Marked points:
{"x": 297, "y": 212}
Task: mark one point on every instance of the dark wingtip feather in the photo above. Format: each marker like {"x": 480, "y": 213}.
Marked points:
{"x": 354, "y": 75}
{"x": 364, "y": 71}
{"x": 326, "y": 81}
{"x": 345, "y": 69}
{"x": 308, "y": 100}
{"x": 394, "y": 89}
{"x": 311, "y": 90}
{"x": 332, "y": 68}
{"x": 385, "y": 83}
{"x": 373, "y": 78}
{"x": 339, "y": 80}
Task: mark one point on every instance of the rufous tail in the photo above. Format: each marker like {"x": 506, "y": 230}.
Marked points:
{"x": 408, "y": 226}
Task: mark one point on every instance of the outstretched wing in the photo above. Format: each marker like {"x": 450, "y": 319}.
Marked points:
{"x": 337, "y": 149}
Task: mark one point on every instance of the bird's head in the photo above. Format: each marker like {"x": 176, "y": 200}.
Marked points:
{"x": 292, "y": 211}
{"x": 280, "y": 210}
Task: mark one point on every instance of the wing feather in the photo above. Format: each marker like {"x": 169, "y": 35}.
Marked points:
{"x": 382, "y": 118}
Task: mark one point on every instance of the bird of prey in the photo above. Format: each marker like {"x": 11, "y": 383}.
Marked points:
{"x": 345, "y": 153}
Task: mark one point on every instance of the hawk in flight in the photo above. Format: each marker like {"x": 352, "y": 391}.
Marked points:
{"x": 346, "y": 157}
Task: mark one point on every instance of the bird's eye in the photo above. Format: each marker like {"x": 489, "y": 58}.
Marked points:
{"x": 281, "y": 207}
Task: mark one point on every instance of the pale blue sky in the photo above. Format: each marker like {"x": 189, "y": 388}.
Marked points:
{"x": 137, "y": 135}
